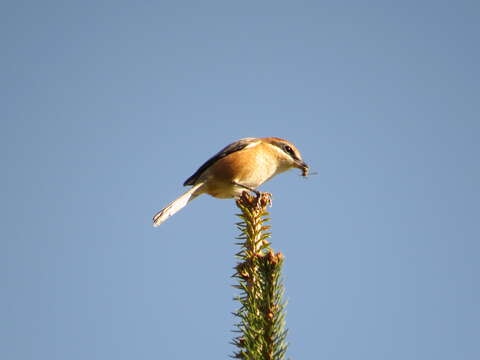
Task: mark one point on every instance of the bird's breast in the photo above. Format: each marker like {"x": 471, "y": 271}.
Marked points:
{"x": 248, "y": 167}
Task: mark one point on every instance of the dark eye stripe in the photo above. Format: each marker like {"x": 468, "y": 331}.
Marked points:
{"x": 287, "y": 149}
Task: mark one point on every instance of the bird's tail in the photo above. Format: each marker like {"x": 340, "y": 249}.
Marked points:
{"x": 175, "y": 205}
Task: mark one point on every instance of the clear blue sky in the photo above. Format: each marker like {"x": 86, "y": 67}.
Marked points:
{"x": 108, "y": 106}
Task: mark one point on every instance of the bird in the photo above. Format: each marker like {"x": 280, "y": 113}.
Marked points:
{"x": 242, "y": 165}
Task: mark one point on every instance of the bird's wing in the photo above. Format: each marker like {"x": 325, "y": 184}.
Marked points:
{"x": 227, "y": 150}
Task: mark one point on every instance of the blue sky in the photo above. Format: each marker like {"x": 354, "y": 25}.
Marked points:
{"x": 108, "y": 107}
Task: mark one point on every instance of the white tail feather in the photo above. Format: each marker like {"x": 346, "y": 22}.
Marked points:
{"x": 175, "y": 206}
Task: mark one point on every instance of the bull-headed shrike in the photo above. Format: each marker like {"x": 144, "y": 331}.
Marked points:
{"x": 242, "y": 165}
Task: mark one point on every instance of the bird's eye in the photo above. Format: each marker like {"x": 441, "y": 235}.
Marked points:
{"x": 289, "y": 149}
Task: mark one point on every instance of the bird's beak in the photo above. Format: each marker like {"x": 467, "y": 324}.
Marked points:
{"x": 302, "y": 166}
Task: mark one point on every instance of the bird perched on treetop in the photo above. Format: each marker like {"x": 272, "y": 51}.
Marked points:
{"x": 242, "y": 165}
